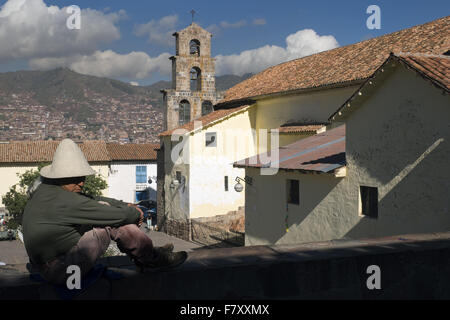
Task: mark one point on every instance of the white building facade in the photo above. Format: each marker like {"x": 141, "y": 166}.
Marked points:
{"x": 132, "y": 182}
{"x": 132, "y": 172}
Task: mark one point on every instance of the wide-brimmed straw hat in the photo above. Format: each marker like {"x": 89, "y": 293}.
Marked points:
{"x": 68, "y": 161}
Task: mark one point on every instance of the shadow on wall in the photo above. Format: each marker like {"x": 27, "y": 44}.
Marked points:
{"x": 414, "y": 205}
{"x": 386, "y": 148}
{"x": 270, "y": 228}
{"x": 416, "y": 202}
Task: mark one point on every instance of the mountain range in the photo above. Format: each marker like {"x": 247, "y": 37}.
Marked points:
{"x": 89, "y": 107}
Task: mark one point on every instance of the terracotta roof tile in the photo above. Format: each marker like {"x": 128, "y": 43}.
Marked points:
{"x": 207, "y": 119}
{"x": 435, "y": 67}
{"x": 94, "y": 151}
{"x": 344, "y": 64}
{"x": 132, "y": 151}
{"x": 42, "y": 151}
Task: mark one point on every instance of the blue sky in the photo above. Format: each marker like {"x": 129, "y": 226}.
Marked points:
{"x": 248, "y": 35}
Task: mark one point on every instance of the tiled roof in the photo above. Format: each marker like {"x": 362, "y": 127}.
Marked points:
{"x": 132, "y": 151}
{"x": 94, "y": 151}
{"x": 344, "y": 64}
{"x": 300, "y": 128}
{"x": 435, "y": 68}
{"x": 42, "y": 151}
{"x": 207, "y": 119}
{"x": 323, "y": 152}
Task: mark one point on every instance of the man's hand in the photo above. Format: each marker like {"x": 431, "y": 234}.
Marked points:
{"x": 141, "y": 217}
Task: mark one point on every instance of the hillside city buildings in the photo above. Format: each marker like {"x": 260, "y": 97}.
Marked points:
{"x": 123, "y": 119}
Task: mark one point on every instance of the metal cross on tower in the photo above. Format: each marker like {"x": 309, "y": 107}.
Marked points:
{"x": 193, "y": 12}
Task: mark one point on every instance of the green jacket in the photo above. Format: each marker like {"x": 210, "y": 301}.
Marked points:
{"x": 55, "y": 219}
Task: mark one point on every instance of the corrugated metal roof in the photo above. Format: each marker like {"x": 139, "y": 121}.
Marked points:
{"x": 323, "y": 152}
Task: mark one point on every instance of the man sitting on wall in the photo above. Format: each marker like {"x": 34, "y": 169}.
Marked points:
{"x": 63, "y": 227}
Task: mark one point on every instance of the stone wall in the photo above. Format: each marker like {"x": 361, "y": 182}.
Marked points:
{"x": 411, "y": 267}
{"x": 160, "y": 206}
{"x": 178, "y": 228}
{"x": 221, "y": 230}
{"x": 182, "y": 63}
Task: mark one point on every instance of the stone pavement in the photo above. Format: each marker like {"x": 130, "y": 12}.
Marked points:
{"x": 161, "y": 238}
{"x": 13, "y": 252}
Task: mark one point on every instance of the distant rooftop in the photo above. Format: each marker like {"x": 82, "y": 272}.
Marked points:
{"x": 94, "y": 151}
{"x": 131, "y": 151}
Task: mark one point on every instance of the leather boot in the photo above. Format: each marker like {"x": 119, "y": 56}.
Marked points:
{"x": 163, "y": 258}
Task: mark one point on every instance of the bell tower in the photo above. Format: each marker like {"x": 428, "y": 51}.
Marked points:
{"x": 193, "y": 91}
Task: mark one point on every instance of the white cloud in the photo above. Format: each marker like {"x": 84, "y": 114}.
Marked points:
{"x": 259, "y": 22}
{"x": 139, "y": 65}
{"x": 213, "y": 28}
{"x": 158, "y": 31}
{"x": 238, "y": 24}
{"x": 31, "y": 29}
{"x": 134, "y": 65}
{"x": 302, "y": 43}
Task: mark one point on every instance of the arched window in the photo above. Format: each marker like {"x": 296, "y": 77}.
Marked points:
{"x": 194, "y": 47}
{"x": 207, "y": 107}
{"x": 196, "y": 79}
{"x": 184, "y": 112}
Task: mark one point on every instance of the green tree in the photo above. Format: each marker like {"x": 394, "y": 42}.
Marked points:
{"x": 16, "y": 198}
{"x": 94, "y": 185}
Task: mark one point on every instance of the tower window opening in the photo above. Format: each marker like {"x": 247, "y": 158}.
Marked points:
{"x": 196, "y": 79}
{"x": 207, "y": 107}
{"x": 194, "y": 47}
{"x": 184, "y": 112}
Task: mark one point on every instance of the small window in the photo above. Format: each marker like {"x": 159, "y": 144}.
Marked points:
{"x": 141, "y": 174}
{"x": 210, "y": 139}
{"x": 184, "y": 112}
{"x": 194, "y": 47}
{"x": 369, "y": 201}
{"x": 207, "y": 107}
{"x": 179, "y": 176}
{"x": 293, "y": 191}
{"x": 196, "y": 79}
{"x": 226, "y": 183}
